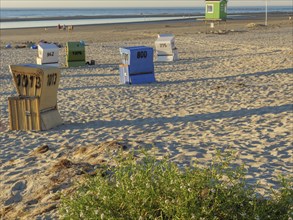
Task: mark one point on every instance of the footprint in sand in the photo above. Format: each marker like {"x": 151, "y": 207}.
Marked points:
{"x": 16, "y": 191}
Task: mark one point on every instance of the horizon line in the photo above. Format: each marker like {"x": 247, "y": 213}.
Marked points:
{"x": 249, "y": 6}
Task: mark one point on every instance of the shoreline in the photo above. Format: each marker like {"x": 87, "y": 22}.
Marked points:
{"x": 81, "y": 17}
{"x": 52, "y": 34}
{"x": 196, "y": 16}
{"x": 172, "y": 19}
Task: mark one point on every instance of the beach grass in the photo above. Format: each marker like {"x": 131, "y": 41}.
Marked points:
{"x": 159, "y": 189}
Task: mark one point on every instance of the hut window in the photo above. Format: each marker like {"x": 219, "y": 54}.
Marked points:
{"x": 210, "y": 8}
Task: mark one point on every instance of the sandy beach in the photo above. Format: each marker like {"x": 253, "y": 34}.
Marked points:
{"x": 229, "y": 91}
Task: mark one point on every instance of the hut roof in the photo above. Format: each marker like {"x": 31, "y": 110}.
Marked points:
{"x": 48, "y": 46}
{"x": 165, "y": 39}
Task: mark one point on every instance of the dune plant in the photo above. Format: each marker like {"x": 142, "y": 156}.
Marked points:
{"x": 159, "y": 189}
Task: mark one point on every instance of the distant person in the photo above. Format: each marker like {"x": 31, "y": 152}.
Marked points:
{"x": 70, "y": 28}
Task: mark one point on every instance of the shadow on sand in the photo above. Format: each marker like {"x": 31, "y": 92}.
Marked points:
{"x": 160, "y": 83}
{"x": 185, "y": 119}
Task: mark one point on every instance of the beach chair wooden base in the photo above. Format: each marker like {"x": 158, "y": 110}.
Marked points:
{"x": 168, "y": 58}
{"x": 135, "y": 78}
{"x": 25, "y": 114}
{"x": 75, "y": 63}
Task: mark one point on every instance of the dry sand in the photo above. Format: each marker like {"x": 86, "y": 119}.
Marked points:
{"x": 228, "y": 91}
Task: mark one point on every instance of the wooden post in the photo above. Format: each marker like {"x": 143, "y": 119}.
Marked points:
{"x": 266, "y": 21}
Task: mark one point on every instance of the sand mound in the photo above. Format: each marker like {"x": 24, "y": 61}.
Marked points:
{"x": 254, "y": 25}
{"x": 38, "y": 194}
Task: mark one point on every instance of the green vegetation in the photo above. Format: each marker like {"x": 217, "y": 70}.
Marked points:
{"x": 152, "y": 189}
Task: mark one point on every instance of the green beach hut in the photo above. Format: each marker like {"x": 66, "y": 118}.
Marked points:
{"x": 75, "y": 54}
{"x": 216, "y": 9}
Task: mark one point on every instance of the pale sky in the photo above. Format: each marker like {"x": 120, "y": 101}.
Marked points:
{"x": 131, "y": 3}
